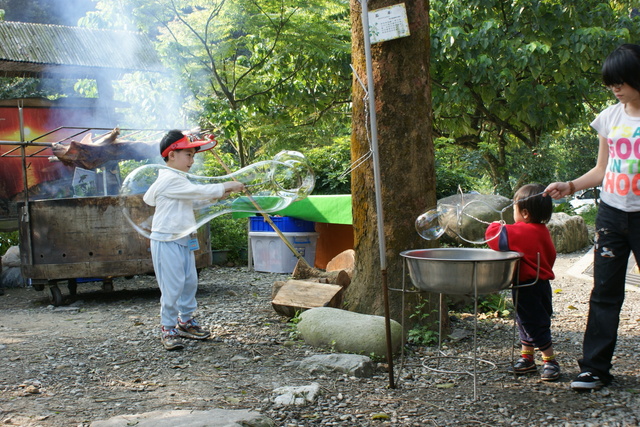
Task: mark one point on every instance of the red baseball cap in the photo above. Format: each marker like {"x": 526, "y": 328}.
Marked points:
{"x": 192, "y": 141}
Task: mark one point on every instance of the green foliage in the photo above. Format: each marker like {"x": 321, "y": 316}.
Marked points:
{"x": 329, "y": 164}
{"x": 221, "y": 165}
{"x": 497, "y": 304}
{"x": 507, "y": 76}
{"x": 564, "y": 206}
{"x": 87, "y": 88}
{"x": 128, "y": 166}
{"x": 44, "y": 11}
{"x": 576, "y": 149}
{"x": 28, "y": 87}
{"x": 230, "y": 233}
{"x": 18, "y": 87}
{"x": 423, "y": 333}
{"x": 589, "y": 215}
{"x": 293, "y": 325}
{"x": 452, "y": 169}
{"x": 8, "y": 239}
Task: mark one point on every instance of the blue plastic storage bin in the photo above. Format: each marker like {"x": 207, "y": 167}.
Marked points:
{"x": 284, "y": 223}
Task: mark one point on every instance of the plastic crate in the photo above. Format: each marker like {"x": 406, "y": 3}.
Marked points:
{"x": 284, "y": 223}
{"x": 272, "y": 255}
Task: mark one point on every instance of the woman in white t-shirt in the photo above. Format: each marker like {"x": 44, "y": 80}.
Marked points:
{"x": 618, "y": 219}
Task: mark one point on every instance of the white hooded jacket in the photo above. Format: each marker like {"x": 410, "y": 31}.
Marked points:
{"x": 173, "y": 196}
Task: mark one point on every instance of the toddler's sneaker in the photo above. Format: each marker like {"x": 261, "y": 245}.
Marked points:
{"x": 550, "y": 371}
{"x": 191, "y": 329}
{"x": 586, "y": 381}
{"x": 524, "y": 366}
{"x": 171, "y": 339}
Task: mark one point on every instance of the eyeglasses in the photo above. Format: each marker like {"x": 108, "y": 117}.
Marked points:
{"x": 615, "y": 86}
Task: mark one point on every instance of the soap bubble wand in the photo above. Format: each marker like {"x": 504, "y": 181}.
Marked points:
{"x": 264, "y": 214}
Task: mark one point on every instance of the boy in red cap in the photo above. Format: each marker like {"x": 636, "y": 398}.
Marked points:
{"x": 173, "y": 196}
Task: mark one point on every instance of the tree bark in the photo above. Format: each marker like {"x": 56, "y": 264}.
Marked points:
{"x": 406, "y": 154}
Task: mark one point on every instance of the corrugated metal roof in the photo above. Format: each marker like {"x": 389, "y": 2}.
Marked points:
{"x": 27, "y": 48}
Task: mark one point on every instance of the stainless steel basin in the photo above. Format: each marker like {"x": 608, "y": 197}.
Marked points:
{"x": 451, "y": 270}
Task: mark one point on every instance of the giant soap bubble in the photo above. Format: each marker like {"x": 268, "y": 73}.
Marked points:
{"x": 431, "y": 225}
{"x": 270, "y": 186}
{"x": 467, "y": 216}
{"x": 467, "y": 219}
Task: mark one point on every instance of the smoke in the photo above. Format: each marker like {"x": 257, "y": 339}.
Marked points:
{"x": 143, "y": 99}
{"x": 56, "y": 12}
{"x": 68, "y": 12}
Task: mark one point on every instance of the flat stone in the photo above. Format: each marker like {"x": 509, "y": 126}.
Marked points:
{"x": 355, "y": 365}
{"x": 298, "y": 396}
{"x": 187, "y": 418}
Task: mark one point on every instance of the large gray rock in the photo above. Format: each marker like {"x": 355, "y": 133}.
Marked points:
{"x": 349, "y": 332}
{"x": 468, "y": 216}
{"x": 568, "y": 232}
{"x": 189, "y": 418}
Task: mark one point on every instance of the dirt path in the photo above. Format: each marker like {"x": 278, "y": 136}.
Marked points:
{"x": 100, "y": 356}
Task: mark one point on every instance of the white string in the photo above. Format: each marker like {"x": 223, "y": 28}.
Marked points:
{"x": 365, "y": 100}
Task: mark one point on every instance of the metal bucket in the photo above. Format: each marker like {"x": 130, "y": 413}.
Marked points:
{"x": 461, "y": 271}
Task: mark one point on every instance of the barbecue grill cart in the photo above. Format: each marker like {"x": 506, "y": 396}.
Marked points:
{"x": 76, "y": 233}
{"x": 75, "y": 240}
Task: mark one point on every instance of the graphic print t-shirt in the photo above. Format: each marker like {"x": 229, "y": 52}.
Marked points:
{"x": 621, "y": 183}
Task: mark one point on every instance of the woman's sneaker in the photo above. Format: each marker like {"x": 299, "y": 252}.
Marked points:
{"x": 587, "y": 381}
{"x": 171, "y": 339}
{"x": 550, "y": 371}
{"x": 524, "y": 366}
{"x": 191, "y": 329}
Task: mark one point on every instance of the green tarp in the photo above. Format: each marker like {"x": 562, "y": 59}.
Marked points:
{"x": 330, "y": 209}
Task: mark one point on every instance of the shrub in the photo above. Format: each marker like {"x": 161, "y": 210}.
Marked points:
{"x": 231, "y": 234}
{"x": 329, "y": 164}
{"x": 589, "y": 215}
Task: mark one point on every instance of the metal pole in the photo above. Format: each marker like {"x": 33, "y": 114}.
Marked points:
{"x": 377, "y": 183}
{"x": 25, "y": 215}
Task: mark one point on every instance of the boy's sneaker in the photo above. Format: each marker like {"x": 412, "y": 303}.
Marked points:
{"x": 587, "y": 381}
{"x": 550, "y": 371}
{"x": 524, "y": 366}
{"x": 171, "y": 339}
{"x": 191, "y": 329}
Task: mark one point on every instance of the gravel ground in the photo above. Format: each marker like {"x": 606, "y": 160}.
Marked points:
{"x": 100, "y": 356}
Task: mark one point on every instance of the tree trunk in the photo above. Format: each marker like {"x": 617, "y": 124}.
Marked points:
{"x": 406, "y": 154}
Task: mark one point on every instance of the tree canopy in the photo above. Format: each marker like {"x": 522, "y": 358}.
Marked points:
{"x": 267, "y": 74}
{"x": 507, "y": 75}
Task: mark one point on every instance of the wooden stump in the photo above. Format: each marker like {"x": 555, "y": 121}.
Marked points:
{"x": 294, "y": 296}
{"x": 311, "y": 287}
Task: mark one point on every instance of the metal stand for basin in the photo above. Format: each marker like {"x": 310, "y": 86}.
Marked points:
{"x": 475, "y": 359}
